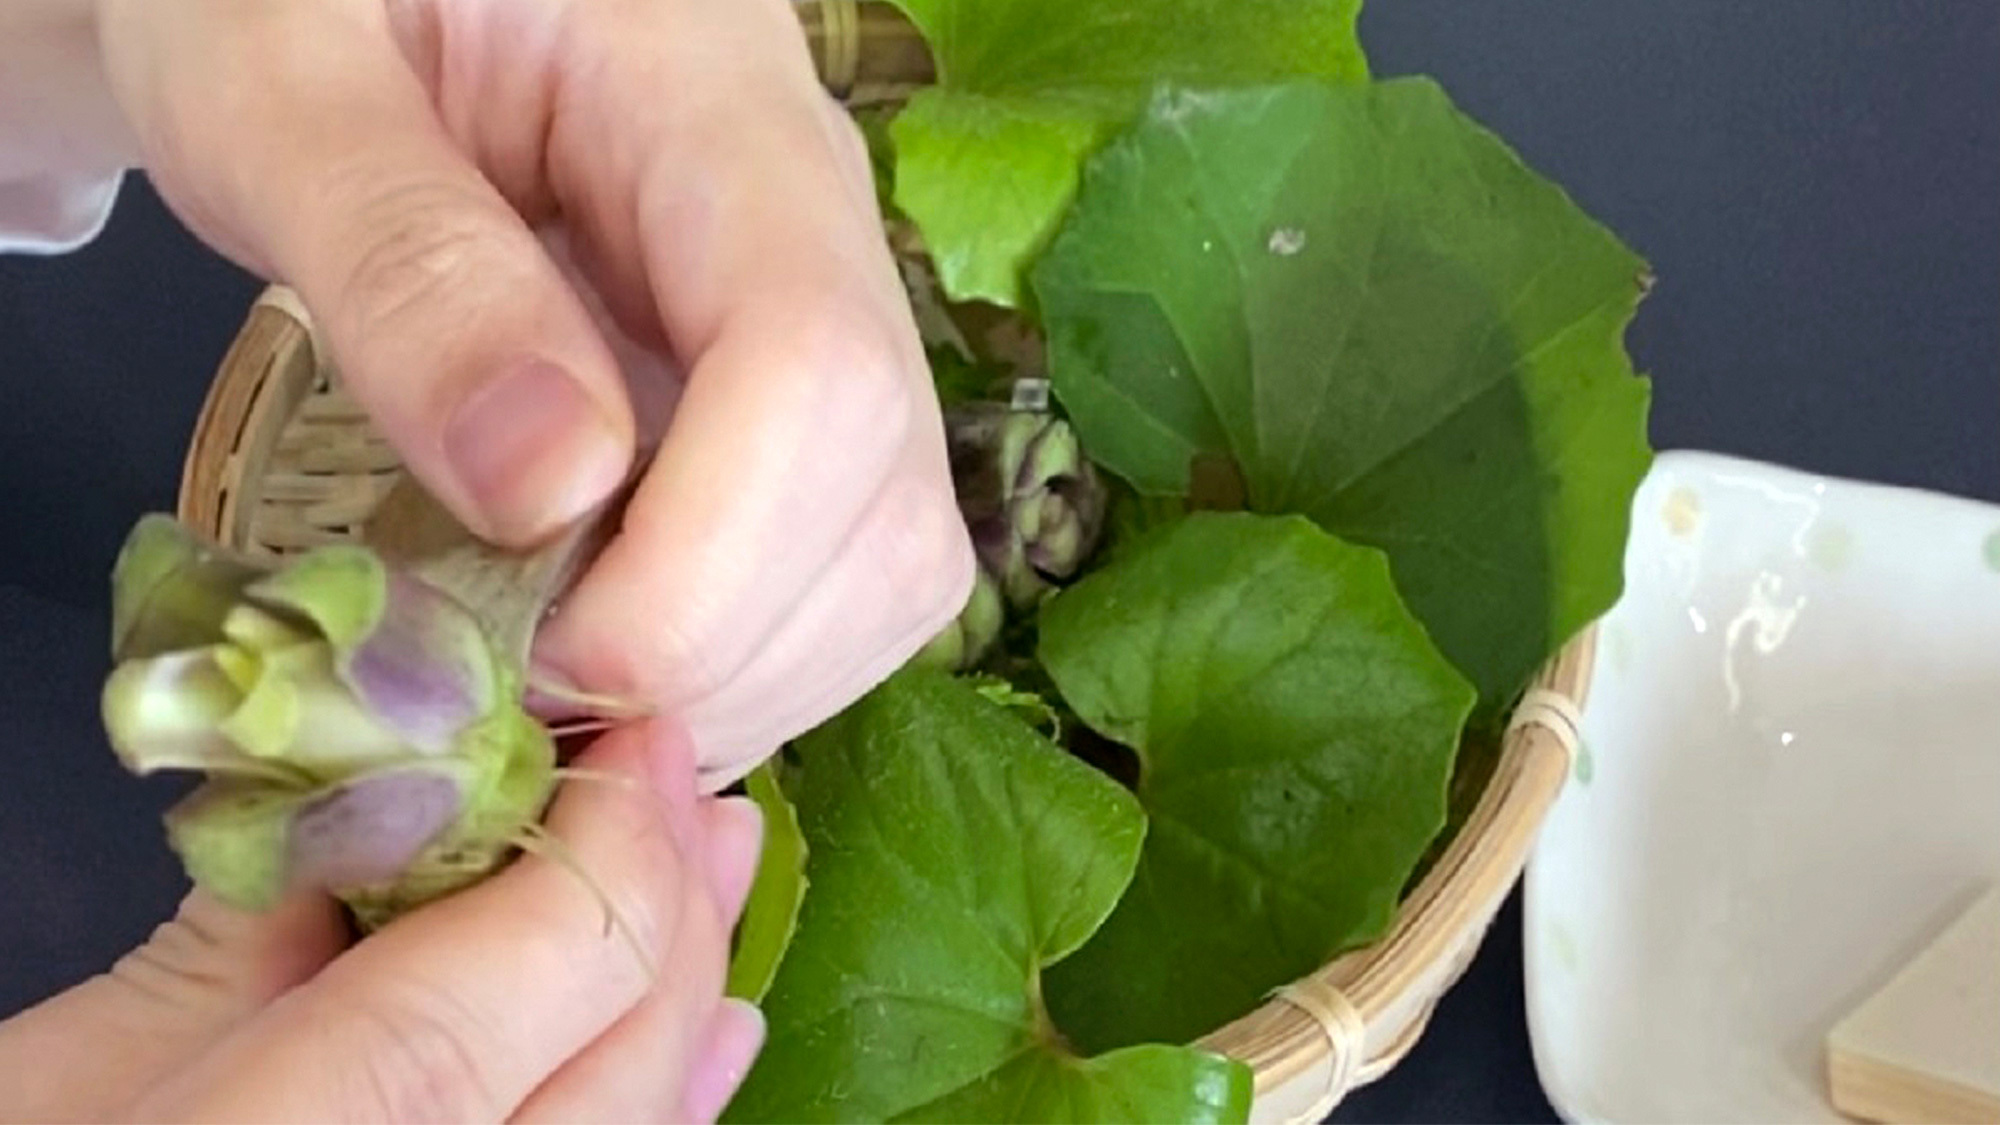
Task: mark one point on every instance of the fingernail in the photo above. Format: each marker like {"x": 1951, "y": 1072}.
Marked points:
{"x": 532, "y": 450}
{"x": 735, "y": 840}
{"x": 670, "y": 760}
{"x": 670, "y": 771}
{"x": 734, "y": 1035}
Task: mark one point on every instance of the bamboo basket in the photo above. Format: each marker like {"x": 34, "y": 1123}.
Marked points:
{"x": 281, "y": 460}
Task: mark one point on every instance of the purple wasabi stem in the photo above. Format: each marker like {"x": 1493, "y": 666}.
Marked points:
{"x": 1033, "y": 506}
{"x": 415, "y": 659}
{"x": 1031, "y": 499}
{"x": 369, "y": 830}
{"x": 253, "y": 844}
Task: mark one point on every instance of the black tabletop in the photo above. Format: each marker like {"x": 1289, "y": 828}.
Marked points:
{"x": 1815, "y": 182}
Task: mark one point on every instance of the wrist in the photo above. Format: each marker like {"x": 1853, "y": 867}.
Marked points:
{"x": 58, "y": 116}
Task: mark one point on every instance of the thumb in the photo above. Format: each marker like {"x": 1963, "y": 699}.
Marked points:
{"x": 88, "y": 1053}
{"x": 330, "y": 170}
{"x": 460, "y": 1011}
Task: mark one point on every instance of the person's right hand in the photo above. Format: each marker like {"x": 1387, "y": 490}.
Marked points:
{"x": 506, "y": 1002}
{"x": 795, "y": 539}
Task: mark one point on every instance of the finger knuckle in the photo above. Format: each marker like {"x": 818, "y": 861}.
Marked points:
{"x": 645, "y": 910}
{"x": 607, "y": 922}
{"x": 871, "y": 391}
{"x": 682, "y": 663}
{"x": 419, "y": 1063}
{"x": 923, "y": 550}
{"x": 188, "y": 961}
{"x": 418, "y": 245}
{"x": 764, "y": 144}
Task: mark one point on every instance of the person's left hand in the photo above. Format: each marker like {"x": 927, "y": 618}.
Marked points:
{"x": 506, "y": 1001}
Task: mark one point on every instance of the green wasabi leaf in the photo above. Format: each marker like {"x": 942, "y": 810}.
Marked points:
{"x": 873, "y": 123}
{"x": 982, "y": 237}
{"x": 1029, "y": 706}
{"x": 953, "y": 855}
{"x": 771, "y": 914}
{"x": 986, "y": 160}
{"x": 1133, "y": 1084}
{"x": 1386, "y": 322}
{"x": 1132, "y": 515}
{"x": 1295, "y": 730}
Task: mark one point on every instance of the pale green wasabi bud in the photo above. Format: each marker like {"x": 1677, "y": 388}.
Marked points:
{"x": 970, "y": 636}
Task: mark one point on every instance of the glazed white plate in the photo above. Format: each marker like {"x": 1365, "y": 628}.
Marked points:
{"x": 1789, "y": 781}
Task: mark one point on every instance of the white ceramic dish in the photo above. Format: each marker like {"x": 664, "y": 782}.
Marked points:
{"x": 1790, "y": 779}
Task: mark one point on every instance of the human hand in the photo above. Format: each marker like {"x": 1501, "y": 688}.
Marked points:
{"x": 508, "y": 1001}
{"x": 407, "y": 167}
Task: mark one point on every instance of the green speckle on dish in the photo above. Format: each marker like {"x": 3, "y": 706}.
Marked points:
{"x": 1993, "y": 552}
{"x": 1585, "y": 766}
{"x": 1832, "y": 545}
{"x": 1562, "y": 947}
{"x": 1682, "y": 512}
{"x": 1617, "y": 646}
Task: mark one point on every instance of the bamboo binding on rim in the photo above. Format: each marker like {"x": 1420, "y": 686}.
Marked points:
{"x": 281, "y": 460}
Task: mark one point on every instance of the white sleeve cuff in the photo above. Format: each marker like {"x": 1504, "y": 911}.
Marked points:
{"x": 55, "y": 214}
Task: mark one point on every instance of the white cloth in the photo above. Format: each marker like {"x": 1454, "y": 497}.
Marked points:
{"x": 55, "y": 214}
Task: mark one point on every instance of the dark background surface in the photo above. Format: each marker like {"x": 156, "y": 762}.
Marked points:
{"x": 1816, "y": 183}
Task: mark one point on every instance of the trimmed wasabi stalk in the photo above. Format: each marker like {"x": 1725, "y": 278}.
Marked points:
{"x": 771, "y": 913}
{"x": 970, "y": 636}
{"x": 1031, "y": 499}
{"x": 358, "y": 710}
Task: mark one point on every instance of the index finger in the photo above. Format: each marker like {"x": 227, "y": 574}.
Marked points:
{"x": 807, "y": 396}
